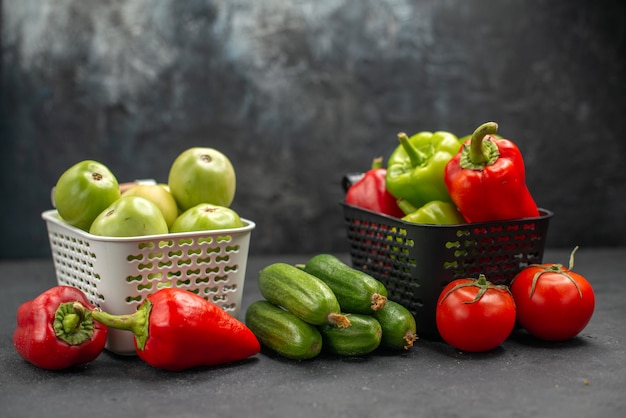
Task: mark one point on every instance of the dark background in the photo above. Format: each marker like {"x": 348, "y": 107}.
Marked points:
{"x": 297, "y": 93}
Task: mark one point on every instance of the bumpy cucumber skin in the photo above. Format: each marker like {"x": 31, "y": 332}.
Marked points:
{"x": 398, "y": 324}
{"x": 283, "y": 332}
{"x": 301, "y": 293}
{"x": 362, "y": 337}
{"x": 356, "y": 291}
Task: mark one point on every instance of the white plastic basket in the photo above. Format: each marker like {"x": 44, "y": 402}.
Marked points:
{"x": 117, "y": 274}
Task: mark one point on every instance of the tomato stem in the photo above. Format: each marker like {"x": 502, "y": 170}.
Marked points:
{"x": 482, "y": 283}
{"x": 557, "y": 269}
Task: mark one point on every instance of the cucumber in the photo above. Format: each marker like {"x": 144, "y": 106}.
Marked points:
{"x": 283, "y": 332}
{"x": 356, "y": 291}
{"x": 362, "y": 337}
{"x": 398, "y": 325}
{"x": 302, "y": 294}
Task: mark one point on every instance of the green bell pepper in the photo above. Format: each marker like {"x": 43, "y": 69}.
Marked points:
{"x": 434, "y": 212}
{"x": 415, "y": 168}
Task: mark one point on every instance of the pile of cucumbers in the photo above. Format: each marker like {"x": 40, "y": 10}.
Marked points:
{"x": 326, "y": 305}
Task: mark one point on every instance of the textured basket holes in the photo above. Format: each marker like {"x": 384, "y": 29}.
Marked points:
{"x": 213, "y": 289}
{"x": 202, "y": 280}
{"x": 155, "y": 276}
{"x": 210, "y": 270}
{"x": 461, "y": 253}
{"x": 232, "y": 249}
{"x": 479, "y": 231}
{"x": 194, "y": 291}
{"x": 173, "y": 254}
{"x": 155, "y": 256}
{"x": 183, "y": 262}
{"x": 171, "y": 274}
{"x": 192, "y": 252}
{"x": 211, "y": 250}
{"x": 204, "y": 240}
{"x": 203, "y": 260}
{"x": 222, "y": 259}
{"x": 529, "y": 226}
{"x": 137, "y": 257}
{"x": 133, "y": 278}
{"x": 145, "y": 245}
{"x": 132, "y": 299}
{"x": 223, "y": 278}
{"x": 185, "y": 242}
{"x": 164, "y": 284}
{"x": 229, "y": 288}
{"x": 191, "y": 273}
{"x": 450, "y": 264}
{"x": 146, "y": 286}
{"x": 452, "y": 244}
{"x": 180, "y": 283}
{"x": 145, "y": 266}
{"x": 165, "y": 264}
{"x": 230, "y": 307}
{"x": 166, "y": 244}
{"x": 232, "y": 268}
{"x": 218, "y": 298}
{"x": 470, "y": 243}
{"x": 223, "y": 238}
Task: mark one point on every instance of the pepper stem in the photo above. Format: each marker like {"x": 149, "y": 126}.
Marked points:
{"x": 137, "y": 322}
{"x": 73, "y": 323}
{"x": 480, "y": 153}
{"x": 481, "y": 283}
{"x": 406, "y": 207}
{"x": 377, "y": 163}
{"x": 416, "y": 156}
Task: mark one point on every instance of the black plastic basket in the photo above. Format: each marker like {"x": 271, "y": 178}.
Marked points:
{"x": 415, "y": 262}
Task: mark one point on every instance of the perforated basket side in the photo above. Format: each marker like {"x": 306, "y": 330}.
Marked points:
{"x": 118, "y": 273}
{"x": 415, "y": 262}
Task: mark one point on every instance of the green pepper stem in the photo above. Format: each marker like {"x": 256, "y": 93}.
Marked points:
{"x": 478, "y": 152}
{"x": 377, "y": 163}
{"x": 73, "y": 323}
{"x": 137, "y": 322}
{"x": 416, "y": 156}
{"x": 406, "y": 206}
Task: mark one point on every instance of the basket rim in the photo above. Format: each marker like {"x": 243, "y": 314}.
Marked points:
{"x": 543, "y": 215}
{"x": 52, "y": 216}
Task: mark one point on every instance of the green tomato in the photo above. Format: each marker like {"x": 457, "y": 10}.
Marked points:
{"x": 83, "y": 191}
{"x": 158, "y": 195}
{"x": 202, "y": 175}
{"x": 130, "y": 216}
{"x": 206, "y": 217}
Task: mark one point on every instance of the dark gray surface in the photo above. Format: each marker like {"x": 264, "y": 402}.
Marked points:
{"x": 298, "y": 93}
{"x": 584, "y": 377}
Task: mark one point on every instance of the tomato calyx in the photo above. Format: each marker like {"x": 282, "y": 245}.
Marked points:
{"x": 556, "y": 269}
{"x": 481, "y": 283}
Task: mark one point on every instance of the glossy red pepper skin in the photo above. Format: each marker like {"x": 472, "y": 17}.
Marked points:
{"x": 39, "y": 320}
{"x": 487, "y": 179}
{"x": 178, "y": 330}
{"x": 370, "y": 192}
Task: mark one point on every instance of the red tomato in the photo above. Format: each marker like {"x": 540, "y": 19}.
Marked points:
{"x": 553, "y": 302}
{"x": 475, "y": 315}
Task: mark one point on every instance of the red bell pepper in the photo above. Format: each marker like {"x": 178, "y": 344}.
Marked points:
{"x": 176, "y": 330}
{"x": 370, "y": 192}
{"x": 487, "y": 180}
{"x": 56, "y": 330}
